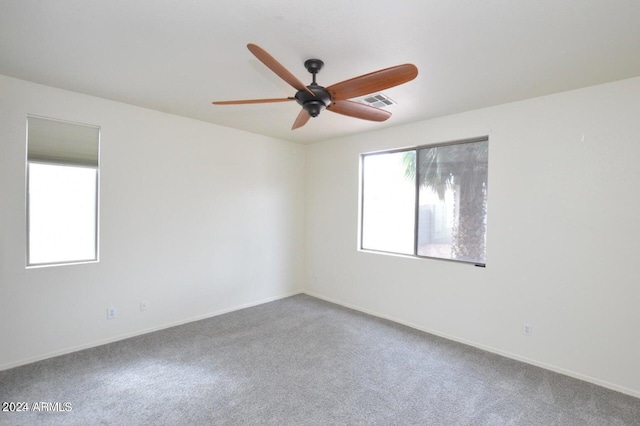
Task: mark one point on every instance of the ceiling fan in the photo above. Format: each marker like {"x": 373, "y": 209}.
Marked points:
{"x": 314, "y": 98}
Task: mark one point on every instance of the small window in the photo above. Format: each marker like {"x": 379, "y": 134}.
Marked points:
{"x": 62, "y": 192}
{"x": 428, "y": 201}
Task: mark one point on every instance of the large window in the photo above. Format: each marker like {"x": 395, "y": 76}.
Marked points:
{"x": 62, "y": 192}
{"x": 429, "y": 201}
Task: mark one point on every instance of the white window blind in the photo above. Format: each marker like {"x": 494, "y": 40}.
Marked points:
{"x": 59, "y": 142}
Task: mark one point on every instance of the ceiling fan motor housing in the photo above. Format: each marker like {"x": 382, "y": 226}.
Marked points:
{"x": 313, "y": 104}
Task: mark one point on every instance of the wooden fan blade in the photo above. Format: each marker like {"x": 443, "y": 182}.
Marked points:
{"x": 252, "y": 101}
{"x": 275, "y": 66}
{"x": 358, "y": 110}
{"x": 301, "y": 120}
{"x": 373, "y": 82}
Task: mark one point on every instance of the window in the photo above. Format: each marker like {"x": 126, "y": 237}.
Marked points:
{"x": 62, "y": 192}
{"x": 428, "y": 201}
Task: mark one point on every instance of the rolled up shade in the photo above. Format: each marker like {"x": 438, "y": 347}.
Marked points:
{"x": 58, "y": 142}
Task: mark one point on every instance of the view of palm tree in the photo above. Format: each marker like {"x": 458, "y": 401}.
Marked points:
{"x": 456, "y": 176}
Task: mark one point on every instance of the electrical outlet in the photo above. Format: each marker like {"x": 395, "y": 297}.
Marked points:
{"x": 143, "y": 305}
{"x": 527, "y": 329}
{"x": 112, "y": 313}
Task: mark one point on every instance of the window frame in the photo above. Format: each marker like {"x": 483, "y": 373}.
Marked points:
{"x": 96, "y": 258}
{"x": 416, "y": 200}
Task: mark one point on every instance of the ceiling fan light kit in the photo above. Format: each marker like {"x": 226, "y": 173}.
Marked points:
{"x": 335, "y": 98}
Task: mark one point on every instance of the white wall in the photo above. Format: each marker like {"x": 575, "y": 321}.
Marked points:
{"x": 195, "y": 218}
{"x": 562, "y": 244}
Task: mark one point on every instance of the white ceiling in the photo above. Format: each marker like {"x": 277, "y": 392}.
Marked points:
{"x": 178, "y": 56}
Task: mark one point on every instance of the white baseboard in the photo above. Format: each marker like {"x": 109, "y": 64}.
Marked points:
{"x": 507, "y": 354}
{"x": 141, "y": 332}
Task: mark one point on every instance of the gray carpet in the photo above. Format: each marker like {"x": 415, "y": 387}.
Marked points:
{"x": 302, "y": 361}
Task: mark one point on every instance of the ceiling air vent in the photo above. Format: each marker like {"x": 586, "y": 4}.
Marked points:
{"x": 378, "y": 101}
